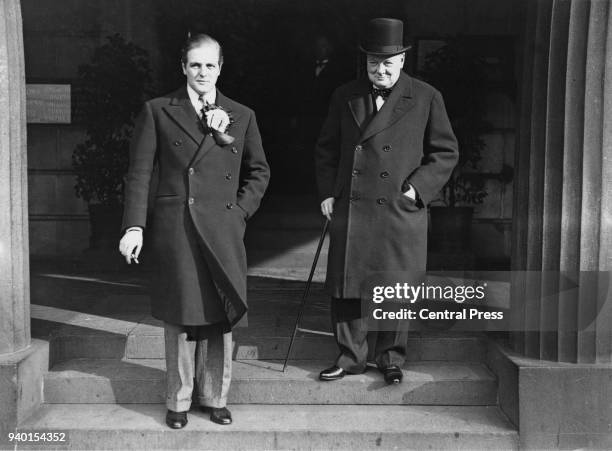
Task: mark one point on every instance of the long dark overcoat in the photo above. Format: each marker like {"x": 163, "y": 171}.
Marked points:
{"x": 205, "y": 194}
{"x": 363, "y": 160}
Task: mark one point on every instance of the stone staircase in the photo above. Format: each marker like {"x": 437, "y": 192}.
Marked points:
{"x": 106, "y": 382}
{"x": 117, "y": 403}
{"x": 106, "y": 385}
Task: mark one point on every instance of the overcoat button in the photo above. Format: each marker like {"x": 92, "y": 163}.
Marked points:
{"x": 177, "y": 143}
{"x": 234, "y": 150}
{"x": 358, "y": 147}
{"x": 191, "y": 200}
{"x": 228, "y": 176}
{"x": 384, "y": 174}
{"x": 229, "y": 206}
{"x": 191, "y": 171}
{"x": 381, "y": 201}
{"x": 356, "y": 172}
{"x": 387, "y": 148}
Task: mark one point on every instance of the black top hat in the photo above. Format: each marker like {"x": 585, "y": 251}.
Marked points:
{"x": 384, "y": 37}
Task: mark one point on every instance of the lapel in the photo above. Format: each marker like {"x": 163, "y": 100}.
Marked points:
{"x": 361, "y": 105}
{"x": 182, "y": 112}
{"x": 209, "y": 141}
{"x": 400, "y": 101}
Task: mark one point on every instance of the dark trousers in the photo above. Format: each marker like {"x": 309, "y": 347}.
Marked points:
{"x": 358, "y": 345}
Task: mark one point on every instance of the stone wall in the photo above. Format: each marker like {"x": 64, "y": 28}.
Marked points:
{"x": 58, "y": 37}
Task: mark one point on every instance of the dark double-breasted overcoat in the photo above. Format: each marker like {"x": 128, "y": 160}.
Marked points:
{"x": 205, "y": 194}
{"x": 364, "y": 160}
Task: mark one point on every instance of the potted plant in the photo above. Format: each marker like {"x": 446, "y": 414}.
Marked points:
{"x": 458, "y": 72}
{"x": 111, "y": 89}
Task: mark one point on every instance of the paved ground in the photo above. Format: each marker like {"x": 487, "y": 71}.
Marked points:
{"x": 112, "y": 296}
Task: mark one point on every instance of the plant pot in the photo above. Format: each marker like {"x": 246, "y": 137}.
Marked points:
{"x": 105, "y": 226}
{"x": 451, "y": 228}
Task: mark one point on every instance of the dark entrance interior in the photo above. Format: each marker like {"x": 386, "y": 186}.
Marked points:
{"x": 270, "y": 53}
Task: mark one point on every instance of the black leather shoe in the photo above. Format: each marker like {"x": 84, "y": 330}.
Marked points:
{"x": 393, "y": 374}
{"x": 332, "y": 374}
{"x": 176, "y": 420}
{"x": 220, "y": 415}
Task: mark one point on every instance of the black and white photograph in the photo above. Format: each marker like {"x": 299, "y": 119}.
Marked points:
{"x": 306, "y": 225}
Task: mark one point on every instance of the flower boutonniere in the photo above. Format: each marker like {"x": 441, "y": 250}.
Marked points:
{"x": 221, "y": 137}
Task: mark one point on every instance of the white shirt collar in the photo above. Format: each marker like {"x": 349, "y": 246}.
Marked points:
{"x": 211, "y": 97}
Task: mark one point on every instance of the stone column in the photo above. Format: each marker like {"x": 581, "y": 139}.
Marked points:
{"x": 563, "y": 190}
{"x": 555, "y": 383}
{"x": 22, "y": 361}
{"x": 14, "y": 262}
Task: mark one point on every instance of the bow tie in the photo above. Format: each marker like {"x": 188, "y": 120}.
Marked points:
{"x": 384, "y": 93}
{"x": 321, "y": 63}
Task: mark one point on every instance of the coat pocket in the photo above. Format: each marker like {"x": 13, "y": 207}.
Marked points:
{"x": 408, "y": 204}
{"x": 242, "y": 212}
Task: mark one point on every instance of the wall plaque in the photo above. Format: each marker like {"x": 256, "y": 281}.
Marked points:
{"x": 48, "y": 103}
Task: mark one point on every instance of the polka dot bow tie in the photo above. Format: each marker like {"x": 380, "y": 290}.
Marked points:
{"x": 384, "y": 93}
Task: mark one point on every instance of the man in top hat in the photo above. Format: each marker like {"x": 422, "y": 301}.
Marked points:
{"x": 212, "y": 176}
{"x": 385, "y": 151}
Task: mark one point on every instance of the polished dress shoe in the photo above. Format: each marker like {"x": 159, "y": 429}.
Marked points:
{"x": 219, "y": 415}
{"x": 176, "y": 420}
{"x": 392, "y": 374}
{"x": 332, "y": 374}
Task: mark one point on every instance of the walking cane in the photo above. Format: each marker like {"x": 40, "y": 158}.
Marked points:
{"x": 306, "y": 290}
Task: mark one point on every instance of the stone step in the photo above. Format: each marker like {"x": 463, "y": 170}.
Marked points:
{"x": 263, "y": 265}
{"x": 84, "y": 381}
{"x": 74, "y": 334}
{"x": 285, "y": 240}
{"x": 147, "y": 342}
{"x": 281, "y": 262}
{"x": 278, "y": 427}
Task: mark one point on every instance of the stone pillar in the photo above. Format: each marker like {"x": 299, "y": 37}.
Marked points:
{"x": 22, "y": 362}
{"x": 555, "y": 384}
{"x": 563, "y": 190}
{"x": 14, "y": 262}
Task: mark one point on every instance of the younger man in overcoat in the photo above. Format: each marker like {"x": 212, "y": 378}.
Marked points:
{"x": 210, "y": 183}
